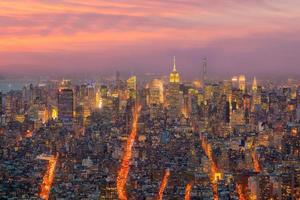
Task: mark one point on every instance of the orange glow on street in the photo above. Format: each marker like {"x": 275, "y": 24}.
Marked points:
{"x": 48, "y": 178}
{"x": 163, "y": 185}
{"x": 188, "y": 189}
{"x": 28, "y": 134}
{"x": 256, "y": 163}
{"x": 240, "y": 191}
{"x": 124, "y": 167}
{"x": 215, "y": 173}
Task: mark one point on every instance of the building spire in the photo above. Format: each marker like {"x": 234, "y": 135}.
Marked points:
{"x": 204, "y": 71}
{"x": 254, "y": 84}
{"x": 174, "y": 66}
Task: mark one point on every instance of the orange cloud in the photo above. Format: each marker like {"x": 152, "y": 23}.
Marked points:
{"x": 49, "y": 17}
{"x": 74, "y": 25}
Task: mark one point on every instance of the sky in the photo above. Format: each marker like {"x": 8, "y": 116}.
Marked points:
{"x": 257, "y": 37}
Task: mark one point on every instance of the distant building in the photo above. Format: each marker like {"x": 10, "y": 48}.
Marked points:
{"x": 174, "y": 100}
{"x": 131, "y": 87}
{"x": 156, "y": 92}
{"x": 234, "y": 82}
{"x": 242, "y": 83}
{"x": 1, "y": 104}
{"x": 65, "y": 105}
{"x": 254, "y": 85}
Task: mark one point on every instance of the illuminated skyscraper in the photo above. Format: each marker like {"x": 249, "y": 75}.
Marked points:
{"x": 8, "y": 107}
{"x": 204, "y": 72}
{"x": 242, "y": 83}
{"x": 156, "y": 92}
{"x": 234, "y": 82}
{"x": 131, "y": 86}
{"x": 65, "y": 105}
{"x": 154, "y": 96}
{"x": 54, "y": 112}
{"x": 174, "y": 99}
{"x": 13, "y": 105}
{"x": 174, "y": 76}
{"x": 254, "y": 85}
{"x": 255, "y": 95}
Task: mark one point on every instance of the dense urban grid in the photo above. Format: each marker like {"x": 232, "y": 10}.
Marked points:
{"x": 158, "y": 139}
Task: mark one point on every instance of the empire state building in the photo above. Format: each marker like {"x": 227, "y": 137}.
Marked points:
{"x": 174, "y": 107}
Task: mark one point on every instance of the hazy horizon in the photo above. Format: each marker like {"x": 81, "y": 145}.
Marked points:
{"x": 259, "y": 38}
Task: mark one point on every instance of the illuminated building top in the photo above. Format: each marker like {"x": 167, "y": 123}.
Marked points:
{"x": 242, "y": 82}
{"x": 254, "y": 85}
{"x": 174, "y": 76}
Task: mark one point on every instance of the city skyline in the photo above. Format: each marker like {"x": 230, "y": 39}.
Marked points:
{"x": 256, "y": 38}
{"x": 158, "y": 139}
{"x": 150, "y": 100}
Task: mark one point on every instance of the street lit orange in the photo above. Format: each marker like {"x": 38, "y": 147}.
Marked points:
{"x": 163, "y": 185}
{"x": 240, "y": 191}
{"x": 256, "y": 163}
{"x": 125, "y": 164}
{"x": 215, "y": 173}
{"x": 188, "y": 189}
{"x": 48, "y": 178}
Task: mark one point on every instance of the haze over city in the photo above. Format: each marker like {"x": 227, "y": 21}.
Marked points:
{"x": 253, "y": 37}
{"x": 149, "y": 100}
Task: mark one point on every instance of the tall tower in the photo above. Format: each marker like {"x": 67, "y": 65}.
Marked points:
{"x": 174, "y": 99}
{"x": 242, "y": 83}
{"x": 204, "y": 71}
{"x": 254, "y": 85}
{"x": 174, "y": 76}
{"x": 255, "y": 95}
{"x": 131, "y": 86}
{"x": 65, "y": 105}
{"x": 118, "y": 79}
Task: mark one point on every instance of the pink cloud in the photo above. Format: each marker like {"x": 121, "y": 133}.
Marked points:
{"x": 91, "y": 27}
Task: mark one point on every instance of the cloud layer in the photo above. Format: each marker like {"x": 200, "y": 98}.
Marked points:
{"x": 94, "y": 35}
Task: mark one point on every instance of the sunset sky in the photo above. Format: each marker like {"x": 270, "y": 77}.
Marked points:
{"x": 237, "y": 36}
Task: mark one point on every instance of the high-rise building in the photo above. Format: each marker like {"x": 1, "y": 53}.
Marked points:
{"x": 13, "y": 105}
{"x": 118, "y": 81}
{"x": 91, "y": 95}
{"x": 174, "y": 76}
{"x": 255, "y": 94}
{"x": 131, "y": 86}
{"x": 8, "y": 107}
{"x": 1, "y": 104}
{"x": 254, "y": 85}
{"x": 65, "y": 105}
{"x": 156, "y": 92}
{"x": 234, "y": 82}
{"x": 174, "y": 100}
{"x": 103, "y": 91}
{"x": 242, "y": 83}
{"x": 54, "y": 112}
{"x": 204, "y": 72}
{"x": 226, "y": 116}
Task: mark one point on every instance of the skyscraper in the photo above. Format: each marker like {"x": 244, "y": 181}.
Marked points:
{"x": 234, "y": 82}
{"x": 174, "y": 99}
{"x": 255, "y": 95}
{"x": 65, "y": 105}
{"x": 131, "y": 86}
{"x": 254, "y": 85}
{"x": 242, "y": 83}
{"x": 156, "y": 92}
{"x": 204, "y": 72}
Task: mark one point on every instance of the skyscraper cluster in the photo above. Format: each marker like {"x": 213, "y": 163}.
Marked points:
{"x": 127, "y": 138}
